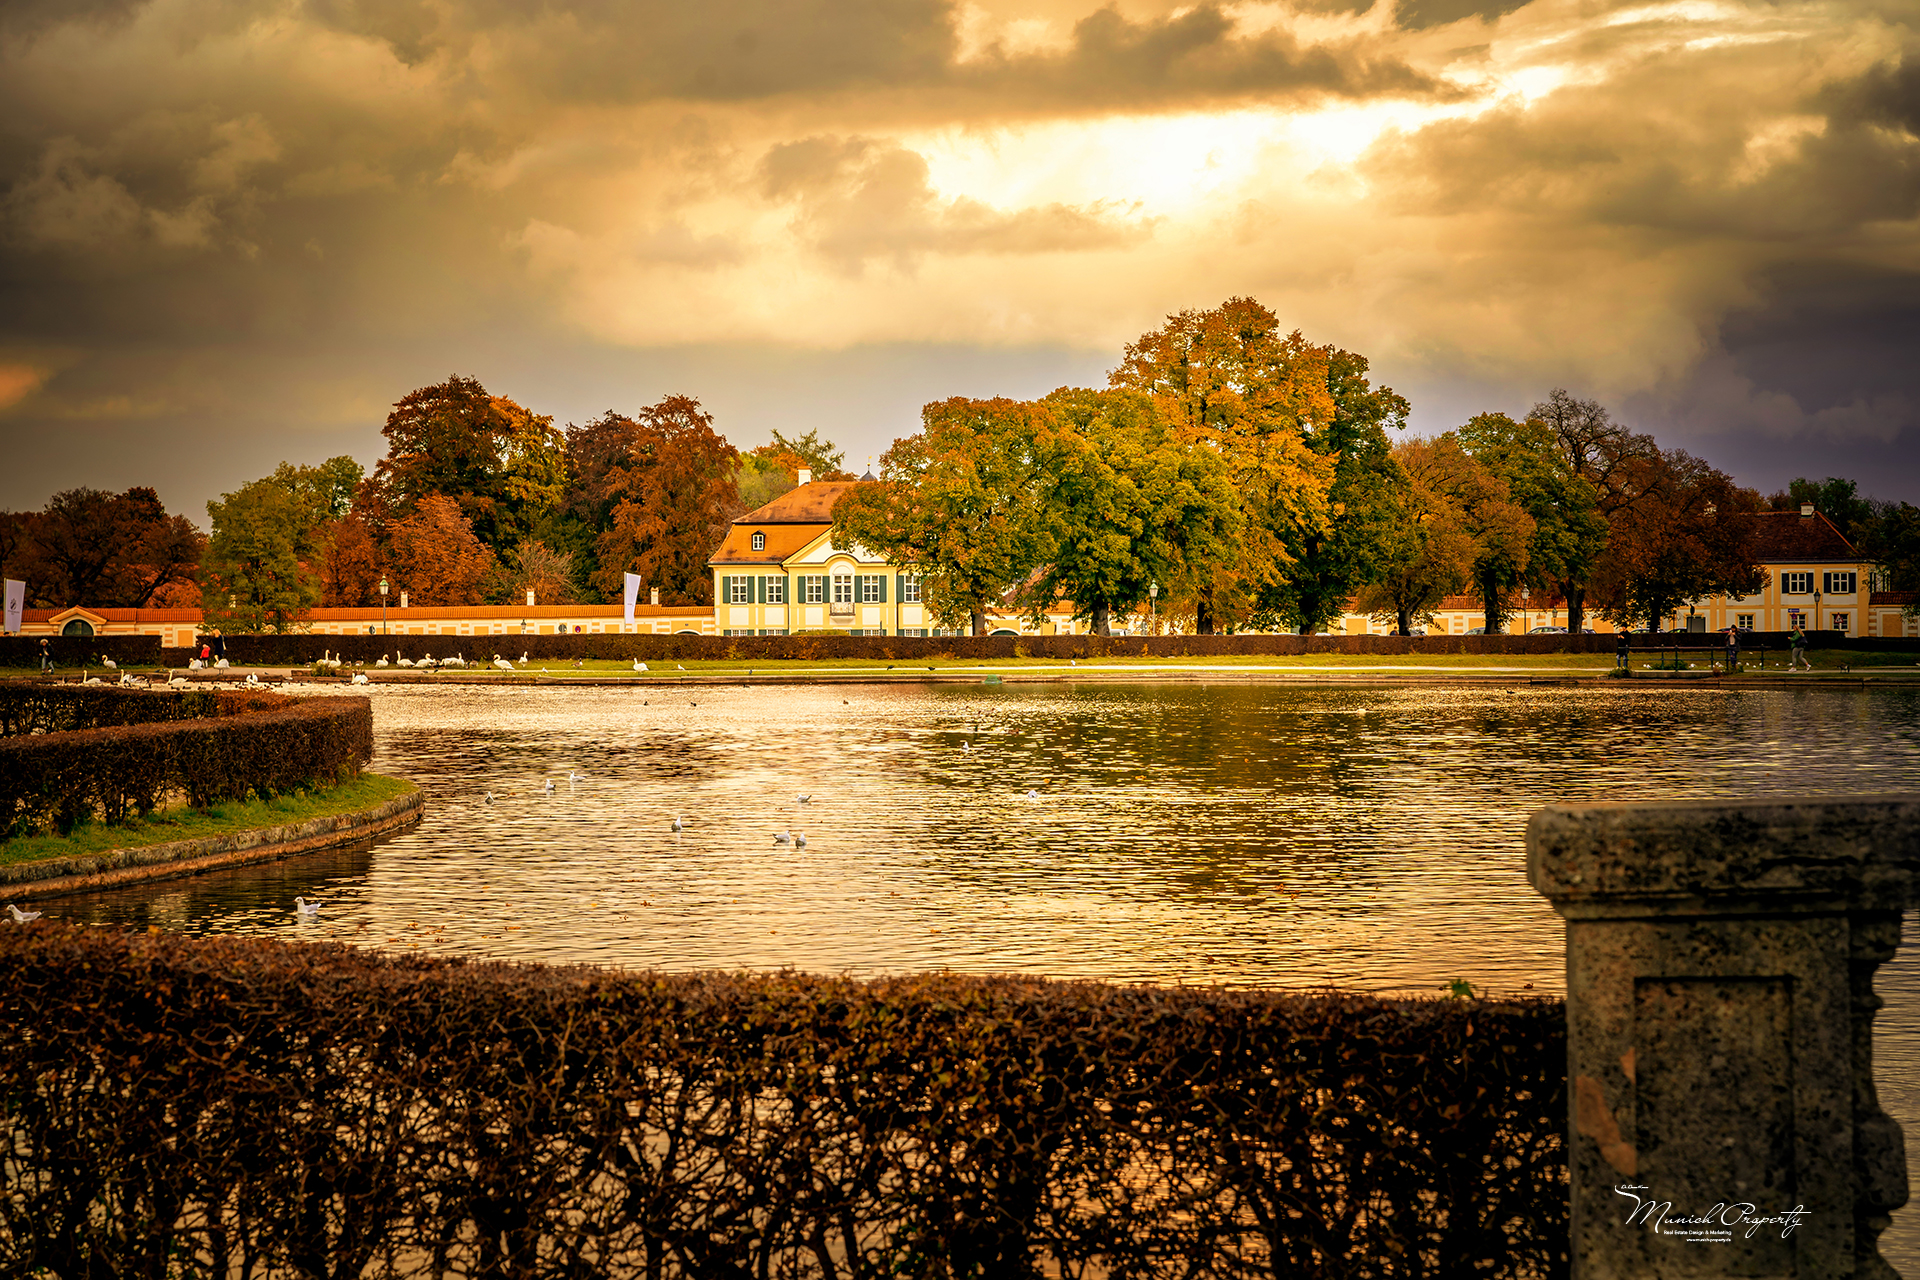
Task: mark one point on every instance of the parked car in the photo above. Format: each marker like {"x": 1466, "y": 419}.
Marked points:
{"x": 1548, "y": 631}
{"x": 1476, "y": 631}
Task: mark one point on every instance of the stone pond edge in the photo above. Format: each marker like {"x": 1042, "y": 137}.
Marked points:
{"x": 117, "y": 867}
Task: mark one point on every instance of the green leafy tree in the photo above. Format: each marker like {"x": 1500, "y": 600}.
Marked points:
{"x": 1568, "y": 529}
{"x": 1121, "y": 501}
{"x": 773, "y": 469}
{"x": 1601, "y": 452}
{"x": 955, "y": 504}
{"x": 1895, "y": 546}
{"x": 1367, "y": 499}
{"x": 252, "y": 579}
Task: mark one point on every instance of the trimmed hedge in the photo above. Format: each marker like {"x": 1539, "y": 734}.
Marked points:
{"x": 247, "y": 1107}
{"x": 73, "y": 651}
{"x": 73, "y": 753}
{"x": 301, "y": 650}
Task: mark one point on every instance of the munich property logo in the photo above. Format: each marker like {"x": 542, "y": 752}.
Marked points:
{"x": 1722, "y": 1224}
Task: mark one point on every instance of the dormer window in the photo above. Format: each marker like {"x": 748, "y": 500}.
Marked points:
{"x": 759, "y": 542}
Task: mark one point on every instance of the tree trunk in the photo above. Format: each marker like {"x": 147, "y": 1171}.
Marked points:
{"x": 1490, "y": 597}
{"x": 1405, "y": 618}
{"x": 1102, "y": 620}
{"x": 979, "y": 619}
{"x": 1576, "y": 594}
{"x": 1202, "y": 617}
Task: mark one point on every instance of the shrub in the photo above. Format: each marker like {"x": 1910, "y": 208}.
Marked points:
{"x": 73, "y": 752}
{"x": 343, "y": 1113}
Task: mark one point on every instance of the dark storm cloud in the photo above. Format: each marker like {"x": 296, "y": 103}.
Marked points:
{"x": 637, "y": 50}
{"x": 1418, "y": 15}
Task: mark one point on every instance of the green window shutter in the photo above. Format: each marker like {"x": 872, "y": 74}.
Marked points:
{"x": 759, "y": 588}
{"x": 881, "y": 578}
{"x": 726, "y": 589}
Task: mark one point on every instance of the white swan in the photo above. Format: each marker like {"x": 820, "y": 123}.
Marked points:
{"x": 405, "y": 662}
{"x": 360, "y": 677}
{"x": 523, "y": 657}
{"x": 639, "y": 665}
{"x": 502, "y": 663}
{"x": 382, "y": 662}
{"x": 109, "y": 664}
{"x": 178, "y": 682}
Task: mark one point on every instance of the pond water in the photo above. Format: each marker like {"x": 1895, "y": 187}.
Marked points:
{"x": 1271, "y": 834}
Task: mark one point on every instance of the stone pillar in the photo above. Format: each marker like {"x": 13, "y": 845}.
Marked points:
{"x": 1720, "y": 959}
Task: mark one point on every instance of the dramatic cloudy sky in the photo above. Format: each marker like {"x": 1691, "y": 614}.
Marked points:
{"x": 232, "y": 232}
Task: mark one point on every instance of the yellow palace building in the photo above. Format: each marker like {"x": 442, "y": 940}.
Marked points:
{"x": 777, "y": 573}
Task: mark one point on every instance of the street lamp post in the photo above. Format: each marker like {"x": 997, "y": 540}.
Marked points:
{"x": 1153, "y": 600}
{"x": 383, "y": 604}
{"x": 1816, "y": 608}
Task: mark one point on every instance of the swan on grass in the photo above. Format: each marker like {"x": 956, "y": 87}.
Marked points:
{"x": 382, "y": 662}
{"x": 639, "y": 665}
{"x": 502, "y": 663}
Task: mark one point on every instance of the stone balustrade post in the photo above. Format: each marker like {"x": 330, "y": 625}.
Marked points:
{"x": 1720, "y": 1005}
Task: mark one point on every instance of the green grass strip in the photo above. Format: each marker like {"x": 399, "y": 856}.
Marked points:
{"x": 184, "y": 823}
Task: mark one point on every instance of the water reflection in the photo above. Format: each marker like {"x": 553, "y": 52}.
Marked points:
{"x": 1248, "y": 833}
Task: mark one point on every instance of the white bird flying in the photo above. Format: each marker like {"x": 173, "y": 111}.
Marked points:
{"x": 21, "y": 917}
{"x": 302, "y": 907}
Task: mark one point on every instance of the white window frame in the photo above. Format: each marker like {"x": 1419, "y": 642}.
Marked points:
{"x": 1796, "y": 583}
{"x": 1851, "y": 579}
{"x": 740, "y": 590}
{"x": 842, "y": 588}
{"x": 1744, "y": 621}
{"x": 869, "y": 588}
{"x": 759, "y": 542}
{"x": 776, "y": 589}
{"x": 816, "y": 589}
{"x": 909, "y": 588}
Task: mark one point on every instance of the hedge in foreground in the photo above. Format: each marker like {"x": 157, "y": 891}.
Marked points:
{"x": 247, "y": 1107}
{"x": 207, "y": 747}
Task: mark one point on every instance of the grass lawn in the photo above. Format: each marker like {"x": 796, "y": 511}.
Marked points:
{"x": 182, "y": 823}
{"x": 563, "y": 668}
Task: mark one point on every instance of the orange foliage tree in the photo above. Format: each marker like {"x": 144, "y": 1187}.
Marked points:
{"x": 438, "y": 558}
{"x": 668, "y": 485}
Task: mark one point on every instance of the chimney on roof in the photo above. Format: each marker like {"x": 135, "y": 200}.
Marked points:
{"x": 806, "y": 476}
{"x": 1806, "y": 508}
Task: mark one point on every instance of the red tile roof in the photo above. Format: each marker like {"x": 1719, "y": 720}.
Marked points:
{"x": 1787, "y": 537}
{"x": 808, "y": 504}
{"x": 1890, "y": 598}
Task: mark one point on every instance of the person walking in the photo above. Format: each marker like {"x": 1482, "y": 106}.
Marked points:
{"x": 1622, "y": 648}
{"x": 219, "y": 645}
{"x": 1797, "y": 642}
{"x": 46, "y": 656}
{"x": 1733, "y": 647}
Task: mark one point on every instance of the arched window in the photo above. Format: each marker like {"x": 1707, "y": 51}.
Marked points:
{"x": 759, "y": 542}
{"x": 77, "y": 627}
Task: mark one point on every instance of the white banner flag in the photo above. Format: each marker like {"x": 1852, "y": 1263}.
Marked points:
{"x": 16, "y": 601}
{"x": 633, "y": 595}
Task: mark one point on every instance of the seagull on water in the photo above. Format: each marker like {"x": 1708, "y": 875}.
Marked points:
{"x": 302, "y": 907}
{"x": 804, "y": 797}
{"x": 549, "y": 786}
{"x": 679, "y": 824}
{"x": 799, "y": 840}
{"x": 21, "y": 917}
{"x": 575, "y": 777}
{"x": 783, "y": 837}
{"x": 489, "y": 797}
{"x": 1032, "y": 794}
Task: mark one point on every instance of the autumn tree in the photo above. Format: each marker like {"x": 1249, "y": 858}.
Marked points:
{"x": 1230, "y": 380}
{"x": 1568, "y": 529}
{"x": 351, "y": 563}
{"x": 534, "y": 566}
{"x": 503, "y": 465}
{"x": 772, "y": 469}
{"x": 1685, "y": 538}
{"x": 1120, "y": 501}
{"x": 252, "y": 578}
{"x": 92, "y": 547}
{"x": 1601, "y": 452}
{"x": 1431, "y": 554}
{"x": 954, "y": 504}
{"x": 438, "y": 558}
{"x": 666, "y": 484}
